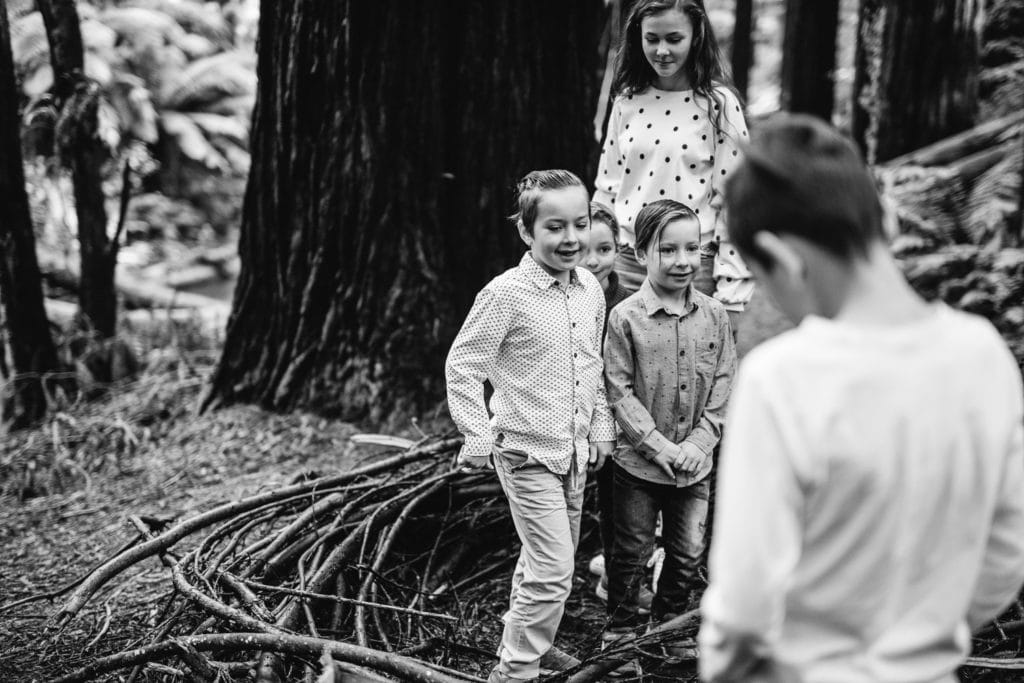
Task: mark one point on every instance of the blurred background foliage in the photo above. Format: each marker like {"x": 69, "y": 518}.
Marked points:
{"x": 177, "y": 81}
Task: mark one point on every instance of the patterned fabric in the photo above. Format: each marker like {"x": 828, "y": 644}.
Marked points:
{"x": 662, "y": 145}
{"x": 668, "y": 379}
{"x": 539, "y": 343}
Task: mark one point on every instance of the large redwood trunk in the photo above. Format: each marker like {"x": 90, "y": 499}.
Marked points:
{"x": 28, "y": 352}
{"x": 386, "y": 141}
{"x": 81, "y": 150}
{"x": 917, "y": 73}
{"x": 742, "y": 57}
{"x": 809, "y": 56}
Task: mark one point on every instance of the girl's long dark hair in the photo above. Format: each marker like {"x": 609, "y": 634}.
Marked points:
{"x": 704, "y": 66}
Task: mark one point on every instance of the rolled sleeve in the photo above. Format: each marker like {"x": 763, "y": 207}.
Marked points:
{"x": 638, "y": 426}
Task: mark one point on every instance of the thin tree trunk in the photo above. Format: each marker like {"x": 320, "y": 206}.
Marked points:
{"x": 387, "y": 138}
{"x": 743, "y": 46}
{"x": 27, "y": 331}
{"x": 809, "y": 56}
{"x": 917, "y": 73}
{"x": 81, "y": 150}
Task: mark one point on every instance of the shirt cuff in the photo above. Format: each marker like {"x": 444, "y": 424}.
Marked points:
{"x": 653, "y": 444}
{"x": 476, "y": 447}
{"x": 702, "y": 440}
{"x": 602, "y": 426}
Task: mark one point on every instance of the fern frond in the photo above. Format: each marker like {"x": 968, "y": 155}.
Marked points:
{"x": 142, "y": 27}
{"x": 238, "y": 158}
{"x": 193, "y": 17}
{"x": 16, "y": 9}
{"x": 228, "y": 74}
{"x": 196, "y": 46}
{"x": 29, "y": 44}
{"x": 240, "y": 106}
{"x": 38, "y": 123}
{"x": 216, "y": 125}
{"x": 38, "y": 82}
{"x": 191, "y": 141}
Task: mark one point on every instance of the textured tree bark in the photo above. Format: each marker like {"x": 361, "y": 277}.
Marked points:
{"x": 81, "y": 150}
{"x": 917, "y": 73}
{"x": 26, "y": 330}
{"x": 386, "y": 142}
{"x": 809, "y": 56}
{"x": 743, "y": 46}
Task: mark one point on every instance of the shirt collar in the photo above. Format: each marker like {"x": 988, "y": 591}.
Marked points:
{"x": 540, "y": 277}
{"x": 652, "y": 304}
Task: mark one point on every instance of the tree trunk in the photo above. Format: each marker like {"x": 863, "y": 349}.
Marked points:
{"x": 386, "y": 142}
{"x": 743, "y": 46}
{"x": 81, "y": 150}
{"x": 27, "y": 331}
{"x": 917, "y": 73}
{"x": 809, "y": 56}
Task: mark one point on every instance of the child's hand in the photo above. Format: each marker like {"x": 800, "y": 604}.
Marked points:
{"x": 599, "y": 452}
{"x": 667, "y": 460}
{"x": 691, "y": 460}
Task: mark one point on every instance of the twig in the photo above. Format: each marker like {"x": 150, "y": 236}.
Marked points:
{"x": 403, "y": 667}
{"x": 103, "y": 628}
{"x": 600, "y": 666}
{"x": 122, "y": 561}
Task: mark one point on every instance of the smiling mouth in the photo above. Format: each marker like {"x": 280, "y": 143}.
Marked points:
{"x": 567, "y": 253}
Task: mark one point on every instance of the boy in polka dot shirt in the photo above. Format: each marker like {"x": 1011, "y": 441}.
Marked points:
{"x": 535, "y": 333}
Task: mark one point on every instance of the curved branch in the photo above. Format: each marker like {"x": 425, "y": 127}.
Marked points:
{"x": 165, "y": 540}
{"x": 405, "y": 668}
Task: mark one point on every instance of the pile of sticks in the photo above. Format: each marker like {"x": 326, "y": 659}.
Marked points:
{"x": 373, "y": 574}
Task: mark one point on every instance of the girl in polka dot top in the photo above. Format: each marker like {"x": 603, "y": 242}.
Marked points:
{"x": 674, "y": 133}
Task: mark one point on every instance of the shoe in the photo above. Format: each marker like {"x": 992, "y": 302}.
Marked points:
{"x": 643, "y": 607}
{"x": 614, "y": 637}
{"x": 596, "y": 566}
{"x": 556, "y": 661}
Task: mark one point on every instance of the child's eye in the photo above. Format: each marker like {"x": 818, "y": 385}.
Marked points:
{"x": 605, "y": 250}
{"x": 666, "y": 251}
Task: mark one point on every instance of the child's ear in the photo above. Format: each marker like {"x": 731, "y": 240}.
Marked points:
{"x": 641, "y": 256}
{"x": 524, "y": 233}
{"x": 781, "y": 255}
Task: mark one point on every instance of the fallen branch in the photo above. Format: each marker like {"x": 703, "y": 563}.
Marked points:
{"x": 389, "y": 662}
{"x": 168, "y": 538}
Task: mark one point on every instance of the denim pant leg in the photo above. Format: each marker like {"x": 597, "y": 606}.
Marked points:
{"x": 684, "y": 515}
{"x": 545, "y": 509}
{"x": 605, "y": 508}
{"x": 635, "y": 515}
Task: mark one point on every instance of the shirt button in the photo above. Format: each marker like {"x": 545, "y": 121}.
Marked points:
{"x": 683, "y": 387}
{"x": 574, "y": 355}
{"x": 682, "y": 353}
{"x": 574, "y": 324}
{"x": 577, "y": 382}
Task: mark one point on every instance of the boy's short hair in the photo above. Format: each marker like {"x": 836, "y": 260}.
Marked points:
{"x": 533, "y": 185}
{"x": 800, "y": 176}
{"x": 600, "y": 213}
{"x": 655, "y": 217}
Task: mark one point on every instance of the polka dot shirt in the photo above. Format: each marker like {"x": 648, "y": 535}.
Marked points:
{"x": 662, "y": 145}
{"x": 539, "y": 343}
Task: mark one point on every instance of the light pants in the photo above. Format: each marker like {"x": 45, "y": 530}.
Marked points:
{"x": 546, "y": 511}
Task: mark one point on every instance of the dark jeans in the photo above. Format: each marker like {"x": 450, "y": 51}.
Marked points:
{"x": 605, "y": 509}
{"x": 684, "y": 513}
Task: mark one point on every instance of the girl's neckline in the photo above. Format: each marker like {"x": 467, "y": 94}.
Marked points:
{"x": 654, "y": 88}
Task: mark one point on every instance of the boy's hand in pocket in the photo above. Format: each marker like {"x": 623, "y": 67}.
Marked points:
{"x": 691, "y": 460}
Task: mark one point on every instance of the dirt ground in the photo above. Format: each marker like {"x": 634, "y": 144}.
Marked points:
{"x": 182, "y": 464}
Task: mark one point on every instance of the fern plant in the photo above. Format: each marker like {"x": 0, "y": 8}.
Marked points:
{"x": 168, "y": 72}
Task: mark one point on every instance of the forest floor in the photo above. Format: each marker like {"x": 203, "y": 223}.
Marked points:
{"x": 69, "y": 487}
